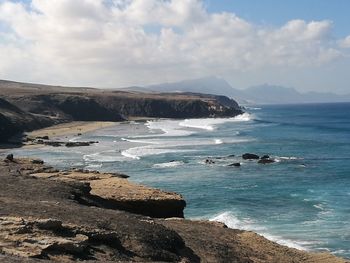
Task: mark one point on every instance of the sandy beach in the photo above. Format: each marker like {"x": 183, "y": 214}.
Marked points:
{"x": 71, "y": 128}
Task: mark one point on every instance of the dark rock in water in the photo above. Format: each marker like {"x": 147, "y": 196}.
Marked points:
{"x": 235, "y": 164}
{"x": 28, "y": 139}
{"x": 9, "y": 157}
{"x": 265, "y": 157}
{"x": 54, "y": 144}
{"x": 37, "y": 161}
{"x": 77, "y": 144}
{"x": 250, "y": 156}
{"x": 209, "y": 161}
{"x": 231, "y": 156}
{"x": 266, "y": 161}
{"x": 42, "y": 137}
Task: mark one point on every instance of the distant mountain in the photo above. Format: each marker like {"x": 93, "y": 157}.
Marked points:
{"x": 262, "y": 94}
{"x": 271, "y": 94}
{"x": 208, "y": 85}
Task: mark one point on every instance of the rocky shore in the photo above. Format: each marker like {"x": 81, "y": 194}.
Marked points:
{"x": 27, "y": 107}
{"x": 79, "y": 215}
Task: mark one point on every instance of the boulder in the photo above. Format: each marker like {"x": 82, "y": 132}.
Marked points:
{"x": 37, "y": 161}
{"x": 53, "y": 143}
{"x": 9, "y": 157}
{"x": 266, "y": 161}
{"x": 235, "y": 164}
{"x": 250, "y": 156}
{"x": 265, "y": 157}
{"x": 209, "y": 161}
{"x": 77, "y": 144}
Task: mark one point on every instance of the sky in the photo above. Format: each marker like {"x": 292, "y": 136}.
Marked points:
{"x": 119, "y": 43}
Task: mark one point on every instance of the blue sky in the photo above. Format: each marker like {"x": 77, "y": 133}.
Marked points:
{"x": 300, "y": 44}
{"x": 278, "y": 12}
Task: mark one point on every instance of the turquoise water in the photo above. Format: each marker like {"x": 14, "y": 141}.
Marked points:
{"x": 301, "y": 200}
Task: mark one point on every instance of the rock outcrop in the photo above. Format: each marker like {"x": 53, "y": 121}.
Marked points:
{"x": 48, "y": 215}
{"x": 13, "y": 120}
{"x": 250, "y": 156}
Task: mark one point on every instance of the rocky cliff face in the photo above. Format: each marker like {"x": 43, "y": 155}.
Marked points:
{"x": 26, "y": 107}
{"x": 13, "y": 120}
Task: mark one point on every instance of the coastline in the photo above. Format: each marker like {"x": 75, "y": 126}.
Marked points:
{"x": 55, "y": 132}
{"x": 73, "y": 201}
{"x": 84, "y": 127}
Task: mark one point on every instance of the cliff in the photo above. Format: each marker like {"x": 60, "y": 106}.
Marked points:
{"x": 36, "y": 106}
{"x": 49, "y": 215}
{"x": 13, "y": 120}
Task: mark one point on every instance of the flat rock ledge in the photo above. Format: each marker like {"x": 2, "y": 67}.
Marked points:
{"x": 109, "y": 190}
{"x": 48, "y": 215}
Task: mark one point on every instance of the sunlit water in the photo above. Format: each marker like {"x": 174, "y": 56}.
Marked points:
{"x": 302, "y": 200}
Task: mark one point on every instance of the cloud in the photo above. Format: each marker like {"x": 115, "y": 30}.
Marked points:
{"x": 345, "y": 43}
{"x": 124, "y": 42}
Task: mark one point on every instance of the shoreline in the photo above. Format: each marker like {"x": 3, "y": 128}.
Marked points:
{"x": 53, "y": 211}
{"x": 73, "y": 128}
{"x": 57, "y": 132}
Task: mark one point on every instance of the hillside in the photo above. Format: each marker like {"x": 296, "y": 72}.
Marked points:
{"x": 30, "y": 106}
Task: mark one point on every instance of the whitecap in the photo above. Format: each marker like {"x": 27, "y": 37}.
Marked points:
{"x": 161, "y": 146}
{"x": 138, "y": 152}
{"x": 218, "y": 141}
{"x": 94, "y": 166}
{"x": 103, "y": 157}
{"x": 319, "y": 206}
{"x": 140, "y": 141}
{"x": 168, "y": 164}
{"x": 127, "y": 154}
{"x": 252, "y": 108}
{"x": 289, "y": 158}
{"x": 229, "y": 219}
{"x": 211, "y": 124}
{"x": 170, "y": 128}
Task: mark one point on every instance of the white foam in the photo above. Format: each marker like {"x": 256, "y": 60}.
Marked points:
{"x": 104, "y": 157}
{"x": 289, "y": 158}
{"x": 319, "y": 206}
{"x": 168, "y": 164}
{"x": 218, "y": 141}
{"x": 127, "y": 154}
{"x": 140, "y": 141}
{"x": 94, "y": 166}
{"x": 229, "y": 219}
{"x": 161, "y": 146}
{"x": 138, "y": 152}
{"x": 252, "y": 108}
{"x": 211, "y": 124}
{"x": 170, "y": 128}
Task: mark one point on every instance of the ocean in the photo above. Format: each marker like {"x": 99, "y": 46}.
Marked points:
{"x": 301, "y": 200}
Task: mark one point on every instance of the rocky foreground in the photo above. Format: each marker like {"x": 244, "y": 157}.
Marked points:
{"x": 79, "y": 215}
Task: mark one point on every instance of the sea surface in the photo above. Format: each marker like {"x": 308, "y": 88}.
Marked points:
{"x": 302, "y": 200}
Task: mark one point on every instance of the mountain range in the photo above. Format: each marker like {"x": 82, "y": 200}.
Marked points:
{"x": 262, "y": 94}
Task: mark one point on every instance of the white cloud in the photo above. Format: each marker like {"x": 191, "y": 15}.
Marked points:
{"x": 123, "y": 42}
{"x": 345, "y": 43}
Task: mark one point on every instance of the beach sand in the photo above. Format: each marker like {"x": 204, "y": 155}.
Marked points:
{"x": 71, "y": 128}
